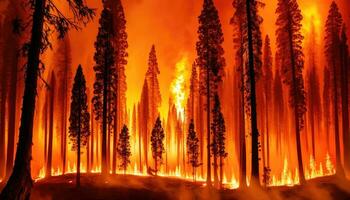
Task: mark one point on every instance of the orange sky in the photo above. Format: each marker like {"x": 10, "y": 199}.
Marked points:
{"x": 172, "y": 27}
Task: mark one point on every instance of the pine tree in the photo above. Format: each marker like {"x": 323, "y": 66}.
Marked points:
{"x": 45, "y": 16}
{"x": 192, "y": 143}
{"x": 332, "y": 53}
{"x": 123, "y": 148}
{"x": 218, "y": 130}
{"x": 345, "y": 96}
{"x": 289, "y": 47}
{"x": 314, "y": 97}
{"x": 79, "y": 119}
{"x": 104, "y": 86}
{"x": 211, "y": 62}
{"x": 278, "y": 102}
{"x": 157, "y": 144}
{"x": 153, "y": 85}
{"x": 268, "y": 79}
{"x": 120, "y": 45}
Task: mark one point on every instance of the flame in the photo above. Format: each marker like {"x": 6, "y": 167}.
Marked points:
{"x": 178, "y": 86}
{"x": 312, "y": 19}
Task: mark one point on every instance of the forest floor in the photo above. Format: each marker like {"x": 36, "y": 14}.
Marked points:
{"x": 95, "y": 187}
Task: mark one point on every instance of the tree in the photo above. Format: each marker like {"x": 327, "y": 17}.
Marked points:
{"x": 79, "y": 119}
{"x": 157, "y": 145}
{"x": 104, "y": 86}
{"x": 345, "y": 96}
{"x": 332, "y": 53}
{"x": 45, "y": 12}
{"x": 211, "y": 62}
{"x": 218, "y": 130}
{"x": 120, "y": 45}
{"x": 143, "y": 123}
{"x": 153, "y": 85}
{"x": 192, "y": 149}
{"x": 327, "y": 103}
{"x": 314, "y": 97}
{"x": 51, "y": 97}
{"x": 268, "y": 79}
{"x": 289, "y": 47}
{"x": 63, "y": 61}
{"x": 278, "y": 102}
{"x": 123, "y": 148}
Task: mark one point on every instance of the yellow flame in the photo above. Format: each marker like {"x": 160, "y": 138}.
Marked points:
{"x": 178, "y": 86}
{"x": 312, "y": 19}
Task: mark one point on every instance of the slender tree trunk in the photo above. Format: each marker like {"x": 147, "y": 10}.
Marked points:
{"x": 296, "y": 115}
{"x": 104, "y": 123}
{"x": 221, "y": 171}
{"x": 12, "y": 117}
{"x": 115, "y": 137}
{"x": 345, "y": 108}
{"x": 339, "y": 168}
{"x": 2, "y": 126}
{"x": 208, "y": 128}
{"x": 79, "y": 145}
{"x": 216, "y": 176}
{"x": 20, "y": 183}
{"x": 254, "y": 127}
{"x": 51, "y": 115}
{"x": 92, "y": 151}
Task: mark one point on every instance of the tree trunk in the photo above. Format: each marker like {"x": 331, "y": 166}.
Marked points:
{"x": 345, "y": 108}
{"x": 253, "y": 120}
{"x": 216, "y": 176}
{"x": 92, "y": 139}
{"x": 12, "y": 112}
{"x": 221, "y": 171}
{"x": 20, "y": 183}
{"x": 104, "y": 166}
{"x": 51, "y": 115}
{"x": 242, "y": 137}
{"x": 208, "y": 128}
{"x": 2, "y": 126}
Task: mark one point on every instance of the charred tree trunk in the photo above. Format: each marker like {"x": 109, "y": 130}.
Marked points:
{"x": 51, "y": 115}
{"x": 242, "y": 135}
{"x": 254, "y": 127}
{"x": 20, "y": 183}
{"x": 208, "y": 126}
{"x": 2, "y": 123}
{"x": 345, "y": 105}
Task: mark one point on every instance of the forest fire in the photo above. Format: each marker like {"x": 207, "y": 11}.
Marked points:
{"x": 213, "y": 95}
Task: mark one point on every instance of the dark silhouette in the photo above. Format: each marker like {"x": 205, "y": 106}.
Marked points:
{"x": 123, "y": 148}
{"x": 218, "y": 130}
{"x": 51, "y": 93}
{"x": 289, "y": 47}
{"x": 344, "y": 56}
{"x": 333, "y": 58}
{"x": 104, "y": 86}
{"x": 211, "y": 62}
{"x": 268, "y": 80}
{"x": 193, "y": 149}
{"x": 20, "y": 182}
{"x": 120, "y": 45}
{"x": 143, "y": 119}
{"x": 157, "y": 144}
{"x": 79, "y": 119}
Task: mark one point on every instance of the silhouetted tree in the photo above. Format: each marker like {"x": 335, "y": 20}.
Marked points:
{"x": 345, "y": 95}
{"x": 314, "y": 97}
{"x": 120, "y": 45}
{"x": 157, "y": 145}
{"x": 268, "y": 79}
{"x": 238, "y": 21}
{"x": 289, "y": 47}
{"x": 51, "y": 97}
{"x": 278, "y": 102}
{"x": 332, "y": 53}
{"x": 327, "y": 104}
{"x": 104, "y": 86}
{"x": 153, "y": 85}
{"x": 218, "y": 130}
{"x": 123, "y": 148}
{"x": 43, "y": 12}
{"x": 79, "y": 119}
{"x": 211, "y": 62}
{"x": 193, "y": 149}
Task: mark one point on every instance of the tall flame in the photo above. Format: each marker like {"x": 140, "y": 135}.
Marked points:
{"x": 178, "y": 86}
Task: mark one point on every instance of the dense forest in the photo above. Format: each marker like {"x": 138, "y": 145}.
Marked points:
{"x": 244, "y": 101}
